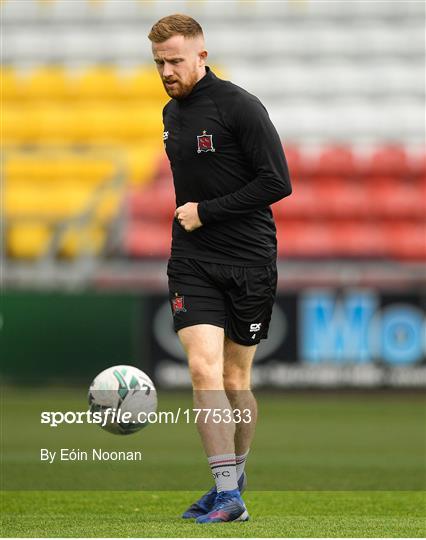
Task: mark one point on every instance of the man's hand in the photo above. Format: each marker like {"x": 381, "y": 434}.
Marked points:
{"x": 187, "y": 215}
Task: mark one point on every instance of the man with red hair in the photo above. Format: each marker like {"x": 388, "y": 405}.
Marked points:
{"x": 228, "y": 168}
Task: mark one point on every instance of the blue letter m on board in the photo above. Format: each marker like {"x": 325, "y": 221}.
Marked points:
{"x": 336, "y": 330}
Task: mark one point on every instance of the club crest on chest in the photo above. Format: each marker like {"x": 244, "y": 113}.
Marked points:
{"x": 205, "y": 143}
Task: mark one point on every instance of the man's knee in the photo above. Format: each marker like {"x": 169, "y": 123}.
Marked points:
{"x": 203, "y": 345}
{"x": 237, "y": 366}
{"x": 206, "y": 371}
{"x": 235, "y": 378}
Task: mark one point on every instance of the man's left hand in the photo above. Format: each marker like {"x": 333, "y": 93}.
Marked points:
{"x": 187, "y": 215}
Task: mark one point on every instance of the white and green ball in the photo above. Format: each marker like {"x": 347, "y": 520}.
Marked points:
{"x": 125, "y": 389}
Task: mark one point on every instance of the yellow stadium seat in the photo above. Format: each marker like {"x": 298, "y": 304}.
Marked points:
{"x": 82, "y": 123}
{"x": 11, "y": 84}
{"x": 92, "y": 170}
{"x": 144, "y": 83}
{"x": 47, "y": 82}
{"x": 53, "y": 203}
{"x": 22, "y": 200}
{"x": 108, "y": 206}
{"x": 78, "y": 241}
{"x": 18, "y": 168}
{"x": 27, "y": 240}
{"x": 48, "y": 167}
{"x": 137, "y": 162}
{"x": 140, "y": 123}
{"x": 19, "y": 125}
{"x": 102, "y": 124}
{"x": 60, "y": 124}
{"x": 142, "y": 161}
{"x": 99, "y": 82}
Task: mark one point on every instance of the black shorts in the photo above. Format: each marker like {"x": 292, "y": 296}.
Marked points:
{"x": 236, "y": 298}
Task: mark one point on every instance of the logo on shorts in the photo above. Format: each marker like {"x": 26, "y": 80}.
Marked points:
{"x": 178, "y": 304}
{"x": 255, "y": 327}
{"x": 205, "y": 143}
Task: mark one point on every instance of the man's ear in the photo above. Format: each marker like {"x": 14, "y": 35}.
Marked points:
{"x": 203, "y": 57}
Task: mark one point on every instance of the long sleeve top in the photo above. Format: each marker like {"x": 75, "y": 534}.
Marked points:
{"x": 226, "y": 155}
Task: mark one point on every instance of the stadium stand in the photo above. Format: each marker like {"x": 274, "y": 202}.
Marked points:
{"x": 81, "y": 124}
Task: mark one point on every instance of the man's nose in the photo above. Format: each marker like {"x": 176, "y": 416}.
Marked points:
{"x": 168, "y": 70}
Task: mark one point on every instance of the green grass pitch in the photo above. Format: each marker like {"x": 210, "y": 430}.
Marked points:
{"x": 322, "y": 465}
{"x": 273, "y": 514}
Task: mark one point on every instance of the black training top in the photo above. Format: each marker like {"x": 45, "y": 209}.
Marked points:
{"x": 226, "y": 155}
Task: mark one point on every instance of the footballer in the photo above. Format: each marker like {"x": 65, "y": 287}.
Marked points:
{"x": 228, "y": 167}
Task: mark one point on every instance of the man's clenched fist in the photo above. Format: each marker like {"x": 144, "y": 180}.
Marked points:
{"x": 187, "y": 215}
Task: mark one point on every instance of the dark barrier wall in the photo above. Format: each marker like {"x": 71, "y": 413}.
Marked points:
{"x": 68, "y": 335}
{"x": 318, "y": 337}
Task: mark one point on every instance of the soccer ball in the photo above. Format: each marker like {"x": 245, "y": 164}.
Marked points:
{"x": 118, "y": 390}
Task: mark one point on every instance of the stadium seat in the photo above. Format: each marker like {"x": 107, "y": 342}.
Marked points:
{"x": 304, "y": 239}
{"x": 147, "y": 239}
{"x": 332, "y": 239}
{"x": 339, "y": 197}
{"x": 84, "y": 123}
{"x": 336, "y": 161}
{"x": 53, "y": 203}
{"x": 85, "y": 240}
{"x": 142, "y": 161}
{"x": 303, "y": 202}
{"x": 156, "y": 202}
{"x": 28, "y": 240}
{"x": 51, "y": 167}
{"x": 47, "y": 83}
{"x": 140, "y": 122}
{"x": 294, "y": 160}
{"x": 388, "y": 160}
{"x": 11, "y": 84}
{"x": 393, "y": 198}
{"x": 327, "y": 197}
{"x": 418, "y": 165}
{"x": 20, "y": 125}
{"x": 359, "y": 239}
{"x": 99, "y": 82}
{"x": 145, "y": 84}
{"x": 108, "y": 206}
{"x": 408, "y": 240}
{"x": 163, "y": 170}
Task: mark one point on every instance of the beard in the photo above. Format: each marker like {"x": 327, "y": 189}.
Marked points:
{"x": 180, "y": 89}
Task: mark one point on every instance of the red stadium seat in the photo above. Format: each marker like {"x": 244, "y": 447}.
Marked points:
{"x": 332, "y": 197}
{"x": 301, "y": 203}
{"x": 408, "y": 240}
{"x": 147, "y": 239}
{"x": 164, "y": 171}
{"x": 392, "y": 198}
{"x": 391, "y": 160}
{"x": 334, "y": 213}
{"x": 294, "y": 160}
{"x": 304, "y": 239}
{"x": 360, "y": 239}
{"x": 339, "y": 239}
{"x": 332, "y": 239}
{"x": 156, "y": 202}
{"x": 418, "y": 165}
{"x": 338, "y": 197}
{"x": 336, "y": 161}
